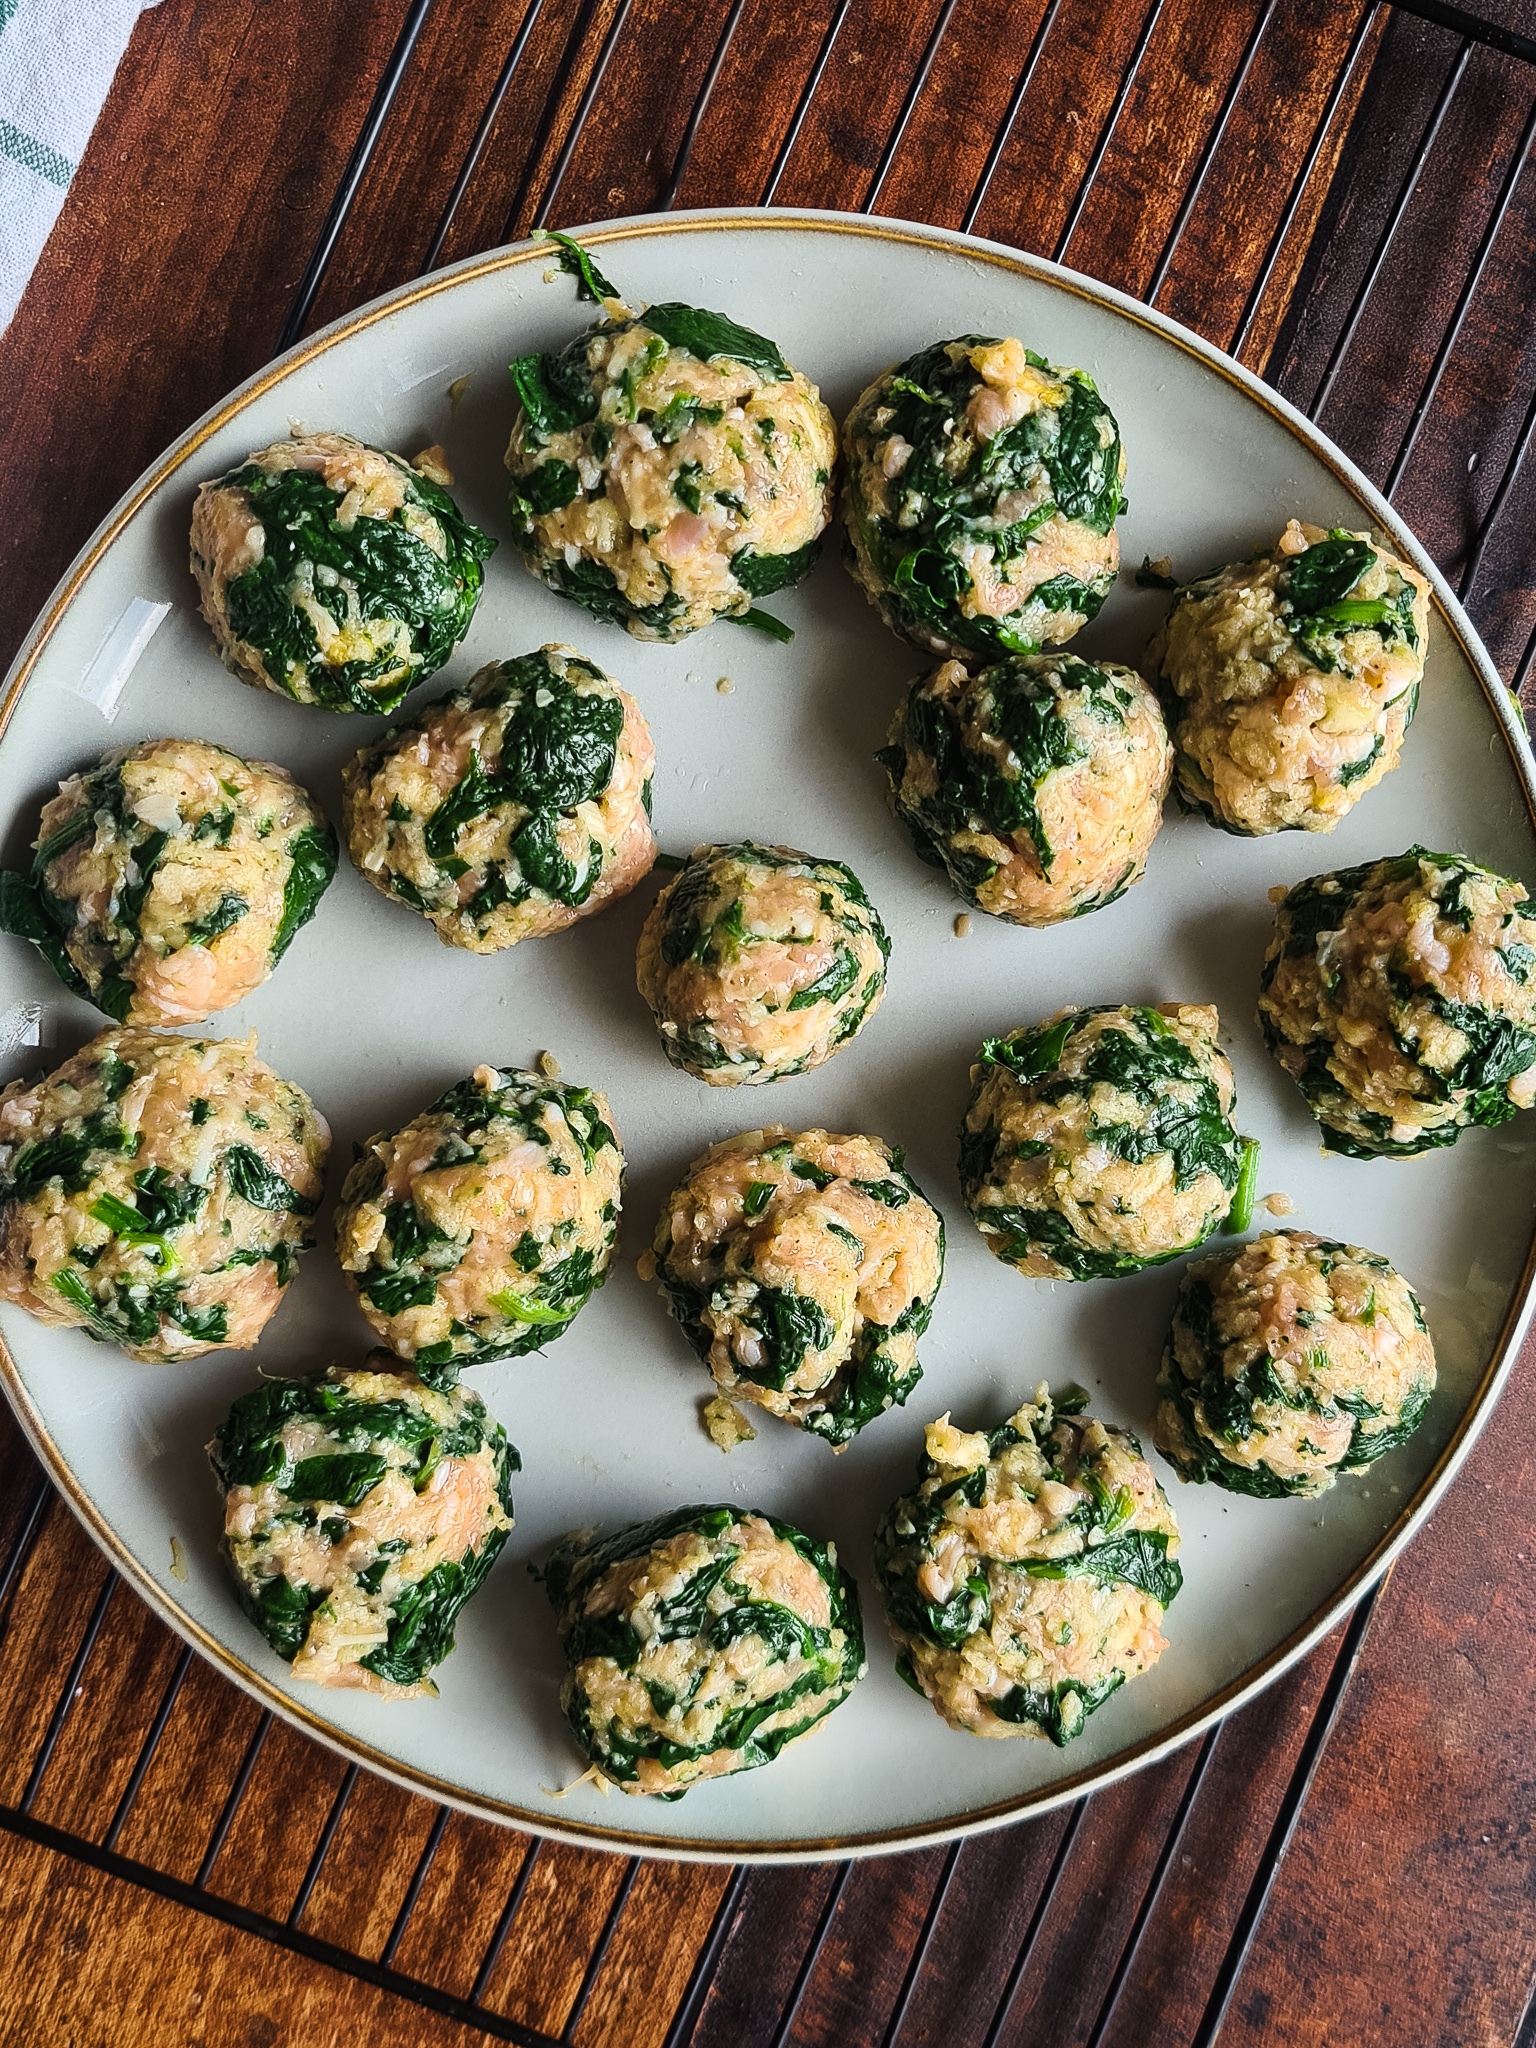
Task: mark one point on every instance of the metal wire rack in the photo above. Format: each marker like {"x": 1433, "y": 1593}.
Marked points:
{"x": 1360, "y": 224}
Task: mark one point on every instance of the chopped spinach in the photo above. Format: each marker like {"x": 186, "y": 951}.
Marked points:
{"x": 255, "y": 1182}
{"x": 312, "y": 856}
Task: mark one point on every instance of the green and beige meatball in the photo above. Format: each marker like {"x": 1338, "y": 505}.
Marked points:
{"x": 983, "y": 489}
{"x": 480, "y": 1228}
{"x": 1026, "y": 1575}
{"x": 1399, "y": 997}
{"x": 361, "y": 1511}
{"x": 335, "y": 573}
{"x": 701, "y": 1643}
{"x": 169, "y": 880}
{"x": 509, "y": 808}
{"x": 1102, "y": 1141}
{"x": 1037, "y": 784}
{"x": 803, "y": 1267}
{"x": 156, "y": 1192}
{"x": 1290, "y": 679}
{"x": 669, "y": 469}
{"x": 1289, "y": 1361}
{"x": 758, "y": 962}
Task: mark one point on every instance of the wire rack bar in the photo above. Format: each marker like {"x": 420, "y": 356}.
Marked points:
{"x": 482, "y": 134}
{"x": 1154, "y": 1890}
{"x": 504, "y": 1924}
{"x": 352, "y": 177}
{"x": 909, "y": 104}
{"x": 808, "y": 1961}
{"x": 1106, "y": 134}
{"x": 424, "y": 1863}
{"x": 924, "y": 1940}
{"x": 143, "y": 1875}
{"x": 147, "y": 1749}
{"x": 674, "y": 184}
{"x": 1400, "y": 206}
{"x": 1036, "y": 1922}
{"x": 1473, "y": 279}
{"x": 26, "y": 1536}
{"x": 323, "y": 1846}
{"x": 1281, "y": 1834}
{"x": 686, "y": 2019}
{"x": 803, "y": 104}
{"x": 1298, "y": 191}
{"x": 237, "y": 1791}
{"x": 1208, "y": 155}
{"x": 1491, "y": 517}
{"x": 1509, "y": 40}
{"x": 595, "y": 1960}
{"x": 67, "y": 1698}
{"x": 542, "y": 211}
{"x": 1005, "y": 132}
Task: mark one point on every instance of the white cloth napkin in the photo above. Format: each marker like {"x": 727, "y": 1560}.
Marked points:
{"x": 57, "y": 58}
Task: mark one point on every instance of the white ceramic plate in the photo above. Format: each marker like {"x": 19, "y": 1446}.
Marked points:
{"x": 374, "y": 1017}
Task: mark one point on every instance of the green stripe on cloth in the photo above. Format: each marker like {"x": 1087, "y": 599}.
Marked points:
{"x": 34, "y": 155}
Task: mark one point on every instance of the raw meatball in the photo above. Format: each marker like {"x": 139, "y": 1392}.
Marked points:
{"x": 510, "y": 808}
{"x": 1289, "y": 1361}
{"x": 1290, "y": 679}
{"x": 480, "y": 1229}
{"x": 1038, "y": 784}
{"x": 155, "y": 1192}
{"x": 1026, "y": 1576}
{"x": 803, "y": 1268}
{"x": 1102, "y": 1141}
{"x": 335, "y": 573}
{"x": 1399, "y": 997}
{"x": 668, "y": 469}
{"x": 983, "y": 489}
{"x": 170, "y": 879}
{"x": 361, "y": 1511}
{"x": 701, "y": 1643}
{"x": 759, "y": 962}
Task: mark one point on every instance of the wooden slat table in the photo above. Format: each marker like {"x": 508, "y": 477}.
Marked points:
{"x": 1339, "y": 192}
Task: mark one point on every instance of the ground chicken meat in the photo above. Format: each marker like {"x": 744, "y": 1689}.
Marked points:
{"x": 335, "y": 573}
{"x": 1399, "y": 997}
{"x": 1289, "y": 1361}
{"x": 1290, "y": 679}
{"x": 1026, "y": 1576}
{"x": 758, "y": 962}
{"x": 983, "y": 489}
{"x": 803, "y": 1268}
{"x": 170, "y": 878}
{"x": 510, "y": 808}
{"x": 700, "y": 1644}
{"x": 1102, "y": 1141}
{"x": 156, "y": 1191}
{"x": 668, "y": 470}
{"x": 1037, "y": 785}
{"x": 481, "y": 1228}
{"x": 361, "y": 1511}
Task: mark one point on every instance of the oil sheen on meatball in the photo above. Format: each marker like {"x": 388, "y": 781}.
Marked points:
{"x": 700, "y": 1644}
{"x": 170, "y": 879}
{"x": 1399, "y": 997}
{"x": 1037, "y": 784}
{"x": 1289, "y": 1361}
{"x": 1102, "y": 1140}
{"x": 481, "y": 1228}
{"x": 668, "y": 469}
{"x": 758, "y": 962}
{"x": 1025, "y": 1577}
{"x": 803, "y": 1268}
{"x": 156, "y": 1192}
{"x": 1290, "y": 679}
{"x": 510, "y": 808}
{"x": 335, "y": 573}
{"x": 361, "y": 1511}
{"x": 983, "y": 489}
